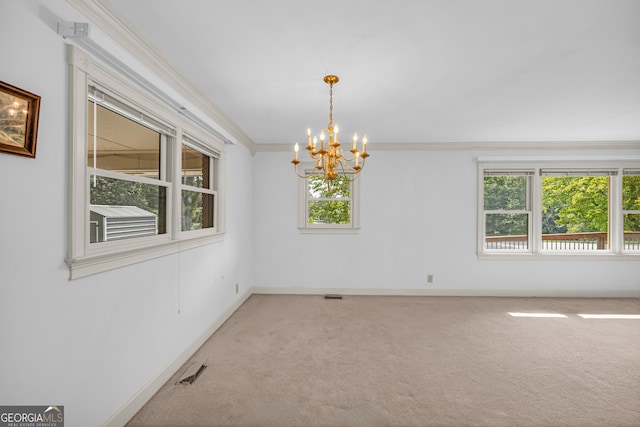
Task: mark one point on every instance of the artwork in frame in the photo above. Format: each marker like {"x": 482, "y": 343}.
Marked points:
{"x": 19, "y": 111}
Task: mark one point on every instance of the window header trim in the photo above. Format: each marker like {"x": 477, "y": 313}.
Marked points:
{"x": 578, "y": 172}
{"x": 103, "y": 98}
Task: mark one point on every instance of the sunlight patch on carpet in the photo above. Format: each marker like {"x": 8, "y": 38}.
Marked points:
{"x": 610, "y": 316}
{"x": 558, "y": 315}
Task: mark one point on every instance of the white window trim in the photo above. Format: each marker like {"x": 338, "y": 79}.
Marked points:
{"x": 83, "y": 259}
{"x": 615, "y": 250}
{"x": 303, "y": 225}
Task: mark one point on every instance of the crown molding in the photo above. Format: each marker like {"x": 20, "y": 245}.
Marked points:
{"x": 113, "y": 26}
{"x": 497, "y": 145}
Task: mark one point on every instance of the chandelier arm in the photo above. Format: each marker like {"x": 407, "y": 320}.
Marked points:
{"x": 362, "y": 160}
{"x": 349, "y": 174}
{"x": 295, "y": 169}
{"x": 350, "y": 159}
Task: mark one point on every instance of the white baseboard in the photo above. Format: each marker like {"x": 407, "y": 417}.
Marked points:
{"x": 129, "y": 409}
{"x": 523, "y": 293}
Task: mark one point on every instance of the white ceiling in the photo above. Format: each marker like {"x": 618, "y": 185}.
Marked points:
{"x": 410, "y": 71}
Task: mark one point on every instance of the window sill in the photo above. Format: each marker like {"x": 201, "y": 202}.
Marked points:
{"x": 86, "y": 266}
{"x": 327, "y": 230}
{"x": 561, "y": 256}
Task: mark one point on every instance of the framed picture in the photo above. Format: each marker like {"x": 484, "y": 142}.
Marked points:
{"x": 19, "y": 112}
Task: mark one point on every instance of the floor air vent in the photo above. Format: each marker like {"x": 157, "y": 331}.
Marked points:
{"x": 192, "y": 373}
{"x": 332, "y": 296}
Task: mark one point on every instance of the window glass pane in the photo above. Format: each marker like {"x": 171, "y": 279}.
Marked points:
{"x": 632, "y": 232}
{"x": 507, "y": 231}
{"x": 195, "y": 168}
{"x": 322, "y": 188}
{"x": 575, "y": 212}
{"x": 124, "y": 210}
{"x": 505, "y": 192}
{"x": 197, "y": 210}
{"x": 329, "y": 212}
{"x": 631, "y": 192}
{"x": 121, "y": 144}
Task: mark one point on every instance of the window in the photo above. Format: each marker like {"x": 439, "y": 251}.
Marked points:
{"x": 198, "y": 186}
{"x": 328, "y": 206}
{"x": 144, "y": 181}
{"x": 128, "y": 180}
{"x": 631, "y": 209}
{"x": 507, "y": 209}
{"x": 579, "y": 208}
{"x": 575, "y": 209}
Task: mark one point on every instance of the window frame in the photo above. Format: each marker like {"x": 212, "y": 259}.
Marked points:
{"x": 83, "y": 258}
{"x": 214, "y": 162}
{"x": 536, "y": 251}
{"x": 167, "y": 138}
{"x": 303, "y": 198}
{"x": 634, "y": 171}
{"x": 528, "y": 210}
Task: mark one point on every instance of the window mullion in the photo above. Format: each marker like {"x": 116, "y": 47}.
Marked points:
{"x": 481, "y": 213}
{"x": 535, "y": 233}
{"x": 176, "y": 179}
{"x": 616, "y": 220}
{"x": 163, "y": 158}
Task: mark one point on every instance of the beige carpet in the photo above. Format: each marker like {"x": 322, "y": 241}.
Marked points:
{"x": 284, "y": 360}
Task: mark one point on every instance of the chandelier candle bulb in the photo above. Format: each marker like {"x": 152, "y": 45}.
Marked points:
{"x": 295, "y": 160}
{"x": 355, "y": 141}
{"x": 322, "y": 151}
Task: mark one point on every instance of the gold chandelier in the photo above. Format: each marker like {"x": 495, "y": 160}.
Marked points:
{"x": 330, "y": 161}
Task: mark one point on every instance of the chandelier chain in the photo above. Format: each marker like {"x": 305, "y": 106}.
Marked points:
{"x": 331, "y": 105}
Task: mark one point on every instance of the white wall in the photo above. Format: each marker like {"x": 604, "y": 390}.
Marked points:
{"x": 92, "y": 344}
{"x": 418, "y": 217}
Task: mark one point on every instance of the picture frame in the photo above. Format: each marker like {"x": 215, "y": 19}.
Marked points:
{"x": 19, "y": 113}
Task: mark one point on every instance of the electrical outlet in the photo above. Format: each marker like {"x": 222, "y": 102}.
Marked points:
{"x": 429, "y": 278}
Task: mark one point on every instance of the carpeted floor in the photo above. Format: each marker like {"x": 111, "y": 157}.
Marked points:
{"x": 284, "y": 360}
